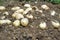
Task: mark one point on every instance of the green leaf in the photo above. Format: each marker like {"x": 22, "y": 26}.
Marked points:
{"x": 54, "y": 1}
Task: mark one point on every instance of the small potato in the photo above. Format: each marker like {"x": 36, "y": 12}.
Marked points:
{"x": 14, "y": 15}
{"x": 59, "y": 16}
{"x": 15, "y": 8}
{"x": 43, "y": 25}
{"x": 8, "y": 21}
{"x": 3, "y": 17}
{"x": 16, "y": 23}
{"x": 55, "y": 23}
{"x": 24, "y": 22}
{"x": 6, "y": 13}
{"x": 53, "y": 13}
{"x": 5, "y": 21}
{"x": 40, "y": 11}
{"x": 20, "y": 11}
{"x": 27, "y": 10}
{"x": 2, "y": 8}
{"x": 45, "y": 7}
{"x": 29, "y": 16}
{"x": 27, "y": 5}
{"x": 2, "y": 21}
{"x": 35, "y": 8}
{"x": 19, "y": 16}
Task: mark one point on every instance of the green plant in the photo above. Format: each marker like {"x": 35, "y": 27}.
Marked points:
{"x": 1, "y": 2}
{"x": 54, "y": 1}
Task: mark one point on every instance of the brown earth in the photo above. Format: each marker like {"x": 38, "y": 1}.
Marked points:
{"x": 32, "y": 31}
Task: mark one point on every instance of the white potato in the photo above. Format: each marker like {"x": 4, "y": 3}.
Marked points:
{"x": 24, "y": 22}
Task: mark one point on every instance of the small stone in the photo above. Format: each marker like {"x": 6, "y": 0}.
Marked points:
{"x": 15, "y": 8}
{"x": 24, "y": 22}
{"x": 16, "y": 23}
{"x": 55, "y": 23}
{"x": 45, "y": 7}
{"x": 43, "y": 25}
{"x": 2, "y": 8}
{"x": 27, "y": 5}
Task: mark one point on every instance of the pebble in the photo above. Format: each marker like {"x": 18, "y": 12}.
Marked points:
{"x": 2, "y": 8}
{"x": 27, "y": 5}
{"x": 24, "y": 22}
{"x": 15, "y": 8}
{"x": 55, "y": 23}
{"x": 45, "y": 7}
{"x": 43, "y": 25}
{"x": 16, "y": 23}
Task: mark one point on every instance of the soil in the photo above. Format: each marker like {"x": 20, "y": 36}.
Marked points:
{"x": 32, "y": 31}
